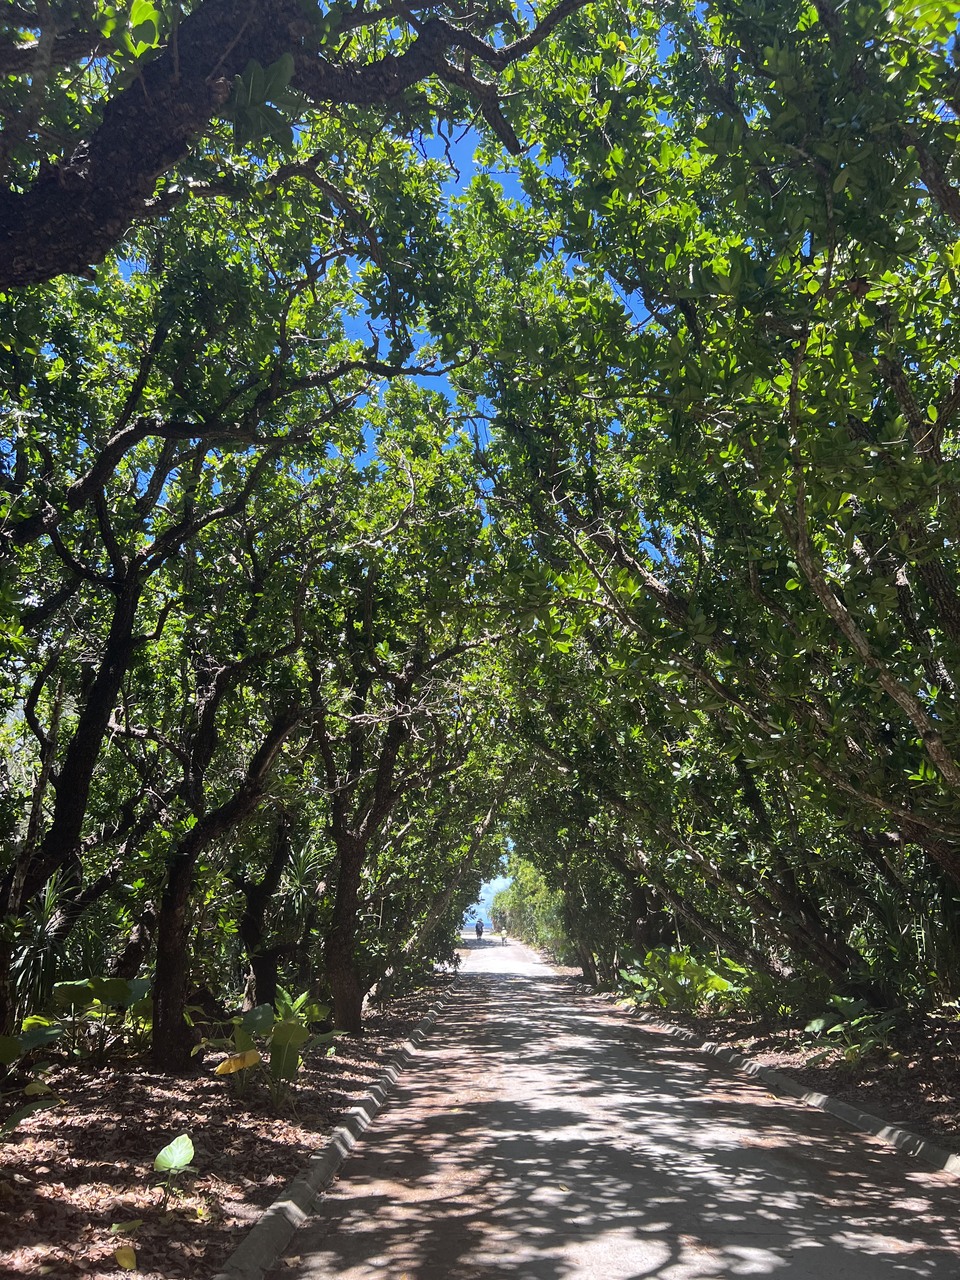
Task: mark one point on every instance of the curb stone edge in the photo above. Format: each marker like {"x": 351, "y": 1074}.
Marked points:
{"x": 893, "y": 1135}
{"x": 265, "y": 1242}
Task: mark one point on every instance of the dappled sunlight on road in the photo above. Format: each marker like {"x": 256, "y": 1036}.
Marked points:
{"x": 542, "y": 1134}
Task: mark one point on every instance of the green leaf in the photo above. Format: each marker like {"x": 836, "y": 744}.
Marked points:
{"x": 144, "y": 36}
{"x": 143, "y": 11}
{"x": 144, "y": 27}
{"x": 21, "y": 1113}
{"x": 278, "y": 76}
{"x": 73, "y": 995}
{"x": 11, "y": 1049}
{"x": 112, "y": 990}
{"x": 141, "y": 1010}
{"x": 289, "y": 1032}
{"x": 39, "y": 1031}
{"x": 37, "y": 1089}
{"x": 285, "y": 1044}
{"x": 175, "y": 1155}
{"x": 258, "y": 1021}
{"x": 126, "y": 1228}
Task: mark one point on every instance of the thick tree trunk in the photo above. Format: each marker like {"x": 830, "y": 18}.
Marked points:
{"x": 74, "y": 214}
{"x": 262, "y": 978}
{"x": 8, "y": 998}
{"x": 130, "y": 960}
{"x": 76, "y": 211}
{"x": 340, "y": 950}
{"x": 345, "y": 986}
{"x": 650, "y": 925}
{"x": 60, "y": 849}
{"x": 172, "y": 1038}
{"x": 172, "y": 1041}
{"x": 587, "y": 962}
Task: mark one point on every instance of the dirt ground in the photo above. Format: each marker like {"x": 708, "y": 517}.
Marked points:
{"x": 77, "y": 1182}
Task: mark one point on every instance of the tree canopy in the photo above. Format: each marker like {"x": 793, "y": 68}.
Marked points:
{"x": 370, "y": 509}
{"x": 102, "y": 101}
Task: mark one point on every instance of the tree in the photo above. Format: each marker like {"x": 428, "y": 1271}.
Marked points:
{"x": 409, "y": 603}
{"x": 101, "y": 104}
{"x": 200, "y": 388}
{"x": 720, "y": 399}
{"x": 670, "y": 594}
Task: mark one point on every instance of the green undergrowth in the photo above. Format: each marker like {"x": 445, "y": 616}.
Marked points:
{"x": 836, "y": 1025}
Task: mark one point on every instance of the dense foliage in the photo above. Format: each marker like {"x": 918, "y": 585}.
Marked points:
{"x": 361, "y": 514}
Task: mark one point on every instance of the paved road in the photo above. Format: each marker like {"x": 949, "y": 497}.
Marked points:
{"x": 542, "y": 1135}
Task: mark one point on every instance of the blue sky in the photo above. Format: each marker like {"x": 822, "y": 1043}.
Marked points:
{"x": 486, "y": 897}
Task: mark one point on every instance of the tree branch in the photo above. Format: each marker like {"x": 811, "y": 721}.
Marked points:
{"x": 76, "y": 211}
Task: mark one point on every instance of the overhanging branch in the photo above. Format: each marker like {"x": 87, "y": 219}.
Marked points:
{"x": 77, "y": 210}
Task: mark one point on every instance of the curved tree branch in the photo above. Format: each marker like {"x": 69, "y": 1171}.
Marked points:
{"x": 76, "y": 211}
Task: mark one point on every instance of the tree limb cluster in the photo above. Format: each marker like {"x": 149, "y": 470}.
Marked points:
{"x": 77, "y": 210}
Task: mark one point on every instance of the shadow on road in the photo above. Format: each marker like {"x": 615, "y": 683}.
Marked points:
{"x": 544, "y": 1136}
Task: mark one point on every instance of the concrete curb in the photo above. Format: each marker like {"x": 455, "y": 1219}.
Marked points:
{"x": 863, "y": 1121}
{"x": 264, "y": 1244}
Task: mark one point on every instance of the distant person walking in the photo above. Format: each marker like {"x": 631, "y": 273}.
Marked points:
{"x": 503, "y": 937}
{"x": 479, "y": 930}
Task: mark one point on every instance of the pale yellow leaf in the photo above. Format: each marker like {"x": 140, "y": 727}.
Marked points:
{"x": 238, "y": 1062}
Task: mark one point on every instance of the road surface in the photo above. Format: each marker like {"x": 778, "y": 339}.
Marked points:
{"x": 542, "y": 1135}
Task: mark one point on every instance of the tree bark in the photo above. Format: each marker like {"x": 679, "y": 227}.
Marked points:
{"x": 130, "y": 960}
{"x": 263, "y": 960}
{"x": 78, "y": 209}
{"x": 8, "y": 995}
{"x": 340, "y": 950}
{"x": 587, "y": 962}
{"x": 171, "y": 1037}
{"x": 60, "y": 848}
{"x": 649, "y": 925}
{"x": 263, "y": 978}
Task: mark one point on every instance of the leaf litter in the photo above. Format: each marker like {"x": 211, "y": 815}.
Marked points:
{"x": 79, "y": 1195}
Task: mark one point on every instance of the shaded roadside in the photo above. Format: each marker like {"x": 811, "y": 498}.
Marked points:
{"x": 77, "y": 1181}
{"x": 913, "y": 1081}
